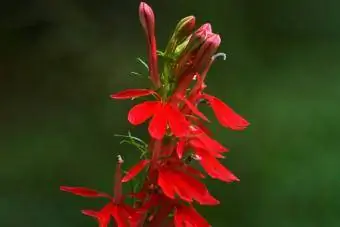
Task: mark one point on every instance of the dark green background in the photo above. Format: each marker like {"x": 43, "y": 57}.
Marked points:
{"x": 60, "y": 60}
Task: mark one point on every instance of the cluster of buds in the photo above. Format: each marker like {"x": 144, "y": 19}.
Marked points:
{"x": 171, "y": 185}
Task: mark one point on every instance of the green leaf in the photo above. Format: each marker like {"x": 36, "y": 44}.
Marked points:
{"x": 136, "y": 74}
{"x": 136, "y": 142}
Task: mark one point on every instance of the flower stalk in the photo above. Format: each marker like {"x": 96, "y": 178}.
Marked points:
{"x": 178, "y": 137}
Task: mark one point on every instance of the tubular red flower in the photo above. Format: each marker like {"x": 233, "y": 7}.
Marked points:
{"x": 172, "y": 184}
{"x": 185, "y": 186}
{"x": 123, "y": 215}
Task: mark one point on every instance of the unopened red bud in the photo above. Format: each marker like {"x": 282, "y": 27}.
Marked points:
{"x": 205, "y": 27}
{"x": 206, "y": 51}
{"x": 147, "y": 18}
{"x": 201, "y": 34}
{"x": 196, "y": 39}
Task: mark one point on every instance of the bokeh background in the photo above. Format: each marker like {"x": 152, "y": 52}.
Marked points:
{"x": 60, "y": 60}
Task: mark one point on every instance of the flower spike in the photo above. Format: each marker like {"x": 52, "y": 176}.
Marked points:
{"x": 171, "y": 185}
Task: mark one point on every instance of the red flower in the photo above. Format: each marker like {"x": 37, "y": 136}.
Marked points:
{"x": 207, "y": 150}
{"x": 123, "y": 215}
{"x": 226, "y": 116}
{"x": 187, "y": 187}
{"x": 174, "y": 177}
{"x": 200, "y": 140}
{"x": 164, "y": 114}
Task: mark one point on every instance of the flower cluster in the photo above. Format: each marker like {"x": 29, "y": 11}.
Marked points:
{"x": 178, "y": 135}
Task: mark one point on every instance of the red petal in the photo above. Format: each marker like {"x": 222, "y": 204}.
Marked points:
{"x": 225, "y": 115}
{"x": 141, "y": 112}
{"x": 157, "y": 126}
{"x": 135, "y": 170}
{"x": 177, "y": 122}
{"x": 202, "y": 140}
{"x": 196, "y": 189}
{"x": 121, "y": 216}
{"x": 215, "y": 169}
{"x": 85, "y": 192}
{"x": 132, "y": 93}
{"x": 189, "y": 217}
{"x": 164, "y": 181}
{"x": 193, "y": 171}
{"x": 187, "y": 187}
{"x": 103, "y": 216}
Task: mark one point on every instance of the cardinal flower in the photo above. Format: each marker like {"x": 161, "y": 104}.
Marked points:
{"x": 164, "y": 113}
{"x": 177, "y": 178}
{"x": 171, "y": 185}
{"x": 206, "y": 151}
{"x": 124, "y": 215}
{"x": 225, "y": 115}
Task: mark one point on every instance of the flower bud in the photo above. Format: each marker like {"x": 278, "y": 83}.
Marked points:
{"x": 147, "y": 19}
{"x": 183, "y": 29}
{"x": 193, "y": 45}
{"x": 206, "y": 51}
{"x": 199, "y": 37}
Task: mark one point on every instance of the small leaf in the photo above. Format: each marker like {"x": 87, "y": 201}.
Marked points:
{"x": 160, "y": 53}
{"x": 136, "y": 74}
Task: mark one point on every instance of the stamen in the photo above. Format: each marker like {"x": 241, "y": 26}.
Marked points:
{"x": 224, "y": 55}
{"x": 196, "y": 157}
{"x": 120, "y": 159}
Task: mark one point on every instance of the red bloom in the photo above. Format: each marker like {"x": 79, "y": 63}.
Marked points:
{"x": 174, "y": 177}
{"x": 164, "y": 114}
{"x": 226, "y": 116}
{"x": 206, "y": 150}
{"x": 171, "y": 185}
{"x": 123, "y": 215}
{"x": 187, "y": 187}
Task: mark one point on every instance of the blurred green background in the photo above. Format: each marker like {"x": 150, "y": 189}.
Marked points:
{"x": 60, "y": 60}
